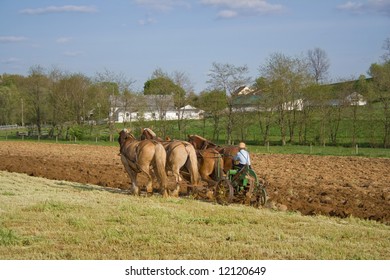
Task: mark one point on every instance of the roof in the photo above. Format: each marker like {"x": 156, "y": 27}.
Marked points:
{"x": 189, "y": 108}
{"x": 144, "y": 102}
{"x": 242, "y": 90}
{"x": 247, "y": 100}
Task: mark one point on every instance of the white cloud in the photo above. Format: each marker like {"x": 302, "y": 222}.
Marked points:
{"x": 369, "y": 6}
{"x": 11, "y": 39}
{"x": 163, "y": 5}
{"x": 63, "y": 40}
{"x": 351, "y": 6}
{"x": 59, "y": 9}
{"x": 72, "y": 53}
{"x": 227, "y": 14}
{"x": 146, "y": 21}
{"x": 233, "y": 8}
{"x": 11, "y": 60}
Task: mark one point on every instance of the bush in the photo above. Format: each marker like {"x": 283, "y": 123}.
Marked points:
{"x": 76, "y": 131}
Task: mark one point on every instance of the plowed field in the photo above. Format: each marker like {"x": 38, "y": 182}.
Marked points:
{"x": 327, "y": 185}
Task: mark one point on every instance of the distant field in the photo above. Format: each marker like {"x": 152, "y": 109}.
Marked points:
{"x": 369, "y": 134}
{"x": 44, "y": 219}
{"x": 270, "y": 149}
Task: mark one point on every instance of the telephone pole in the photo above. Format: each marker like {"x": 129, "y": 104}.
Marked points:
{"x": 22, "y": 113}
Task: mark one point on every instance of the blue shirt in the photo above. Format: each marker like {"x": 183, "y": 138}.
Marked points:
{"x": 243, "y": 157}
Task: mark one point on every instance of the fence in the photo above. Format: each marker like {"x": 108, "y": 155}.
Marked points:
{"x": 10, "y": 126}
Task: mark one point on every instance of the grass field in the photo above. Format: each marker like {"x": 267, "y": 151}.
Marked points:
{"x": 43, "y": 219}
{"x": 368, "y": 135}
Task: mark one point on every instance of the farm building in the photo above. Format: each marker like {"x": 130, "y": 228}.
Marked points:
{"x": 150, "y": 107}
{"x": 254, "y": 100}
{"x": 246, "y": 99}
{"x": 356, "y": 99}
{"x": 353, "y": 99}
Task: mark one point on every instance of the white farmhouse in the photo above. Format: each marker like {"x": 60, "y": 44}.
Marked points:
{"x": 150, "y": 107}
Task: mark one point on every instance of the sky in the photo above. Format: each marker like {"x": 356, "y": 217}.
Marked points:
{"x": 133, "y": 38}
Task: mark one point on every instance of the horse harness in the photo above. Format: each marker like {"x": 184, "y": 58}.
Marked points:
{"x": 176, "y": 144}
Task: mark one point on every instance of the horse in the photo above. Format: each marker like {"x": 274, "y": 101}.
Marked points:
{"x": 179, "y": 154}
{"x": 227, "y": 152}
{"x": 210, "y": 163}
{"x": 147, "y": 133}
{"x": 138, "y": 156}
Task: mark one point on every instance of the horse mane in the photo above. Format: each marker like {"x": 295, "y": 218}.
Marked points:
{"x": 124, "y": 134}
{"x": 200, "y": 137}
{"x": 206, "y": 143}
{"x": 151, "y": 132}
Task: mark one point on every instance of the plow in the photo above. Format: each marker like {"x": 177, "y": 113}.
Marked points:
{"x": 237, "y": 186}
{"x": 241, "y": 186}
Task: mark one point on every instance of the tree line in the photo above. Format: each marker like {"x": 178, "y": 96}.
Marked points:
{"x": 63, "y": 100}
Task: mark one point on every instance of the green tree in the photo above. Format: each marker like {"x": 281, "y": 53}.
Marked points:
{"x": 113, "y": 86}
{"x": 318, "y": 63}
{"x": 59, "y": 102}
{"x": 180, "y": 100}
{"x": 213, "y": 103}
{"x": 10, "y": 101}
{"x": 381, "y": 87}
{"x": 228, "y": 77}
{"x": 76, "y": 88}
{"x": 310, "y": 96}
{"x": 361, "y": 87}
{"x": 265, "y": 107}
{"x": 165, "y": 86}
{"x": 160, "y": 85}
{"x": 286, "y": 77}
{"x": 36, "y": 92}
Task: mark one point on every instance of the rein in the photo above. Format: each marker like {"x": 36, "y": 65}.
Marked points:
{"x": 217, "y": 155}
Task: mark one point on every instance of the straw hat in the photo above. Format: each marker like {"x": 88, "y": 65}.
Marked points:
{"x": 242, "y": 145}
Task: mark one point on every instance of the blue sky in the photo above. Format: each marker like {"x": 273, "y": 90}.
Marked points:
{"x": 135, "y": 37}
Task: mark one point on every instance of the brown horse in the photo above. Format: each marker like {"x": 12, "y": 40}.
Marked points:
{"x": 210, "y": 163}
{"x": 179, "y": 154}
{"x": 227, "y": 152}
{"x": 137, "y": 156}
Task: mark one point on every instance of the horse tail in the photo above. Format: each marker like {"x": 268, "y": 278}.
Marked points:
{"x": 192, "y": 164}
{"x": 218, "y": 165}
{"x": 160, "y": 158}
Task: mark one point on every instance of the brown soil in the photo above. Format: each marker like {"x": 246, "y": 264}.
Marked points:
{"x": 327, "y": 185}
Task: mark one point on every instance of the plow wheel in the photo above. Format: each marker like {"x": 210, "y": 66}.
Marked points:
{"x": 259, "y": 197}
{"x": 224, "y": 192}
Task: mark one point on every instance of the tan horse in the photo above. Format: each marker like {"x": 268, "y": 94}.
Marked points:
{"x": 227, "y": 152}
{"x": 210, "y": 163}
{"x": 138, "y": 156}
{"x": 179, "y": 154}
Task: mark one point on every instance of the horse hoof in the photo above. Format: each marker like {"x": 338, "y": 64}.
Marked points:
{"x": 135, "y": 192}
{"x": 175, "y": 193}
